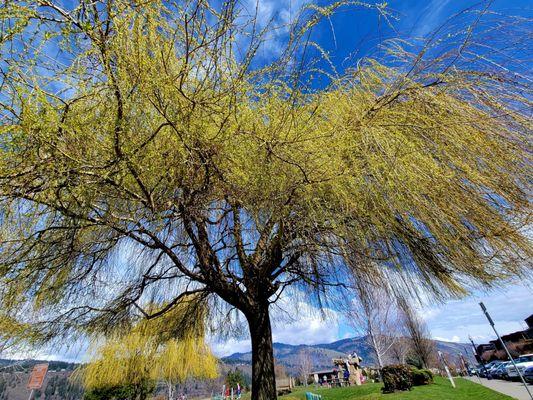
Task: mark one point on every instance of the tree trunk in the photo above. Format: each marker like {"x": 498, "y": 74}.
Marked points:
{"x": 377, "y": 350}
{"x": 169, "y": 383}
{"x": 263, "y": 378}
{"x": 374, "y": 344}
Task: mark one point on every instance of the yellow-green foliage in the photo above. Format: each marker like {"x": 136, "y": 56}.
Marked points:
{"x": 163, "y": 130}
{"x": 135, "y": 357}
{"x": 13, "y": 332}
{"x": 149, "y": 351}
{"x": 18, "y": 331}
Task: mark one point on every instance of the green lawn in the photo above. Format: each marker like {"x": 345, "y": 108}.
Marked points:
{"x": 440, "y": 390}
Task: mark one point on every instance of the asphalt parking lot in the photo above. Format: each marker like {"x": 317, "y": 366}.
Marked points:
{"x": 513, "y": 389}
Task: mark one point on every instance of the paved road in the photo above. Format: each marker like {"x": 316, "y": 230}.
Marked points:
{"x": 513, "y": 389}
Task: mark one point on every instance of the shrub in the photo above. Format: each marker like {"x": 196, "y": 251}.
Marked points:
{"x": 238, "y": 376}
{"x": 396, "y": 377}
{"x": 421, "y": 376}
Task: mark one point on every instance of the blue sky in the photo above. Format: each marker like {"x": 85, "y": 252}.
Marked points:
{"x": 352, "y": 33}
{"x": 356, "y": 31}
{"x": 450, "y": 321}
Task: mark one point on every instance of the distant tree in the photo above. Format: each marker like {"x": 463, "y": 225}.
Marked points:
{"x": 236, "y": 376}
{"x": 374, "y": 315}
{"x": 304, "y": 364}
{"x": 3, "y": 388}
{"x": 400, "y": 350}
{"x": 156, "y": 157}
{"x": 62, "y": 389}
{"x": 59, "y": 387}
{"x": 50, "y": 388}
{"x": 138, "y": 391}
{"x": 422, "y": 350}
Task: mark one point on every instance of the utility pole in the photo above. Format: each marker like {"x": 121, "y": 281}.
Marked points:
{"x": 464, "y": 364}
{"x": 441, "y": 357}
{"x": 478, "y": 357}
{"x": 491, "y": 322}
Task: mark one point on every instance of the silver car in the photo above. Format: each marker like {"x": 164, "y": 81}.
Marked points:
{"x": 522, "y": 363}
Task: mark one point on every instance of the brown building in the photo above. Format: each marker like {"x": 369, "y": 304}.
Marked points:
{"x": 519, "y": 342}
{"x": 517, "y": 337}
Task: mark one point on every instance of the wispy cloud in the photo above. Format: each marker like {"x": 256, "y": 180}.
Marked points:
{"x": 430, "y": 18}
{"x": 274, "y": 15}
{"x": 456, "y": 320}
{"x": 293, "y": 322}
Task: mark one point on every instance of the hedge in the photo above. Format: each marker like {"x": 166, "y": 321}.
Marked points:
{"x": 421, "y": 376}
{"x": 404, "y": 377}
{"x": 396, "y": 377}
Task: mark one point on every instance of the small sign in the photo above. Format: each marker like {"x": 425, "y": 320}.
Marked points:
{"x": 37, "y": 376}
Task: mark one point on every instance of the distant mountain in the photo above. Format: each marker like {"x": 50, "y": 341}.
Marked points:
{"x": 14, "y": 374}
{"x": 8, "y": 365}
{"x": 57, "y": 385}
{"x": 321, "y": 354}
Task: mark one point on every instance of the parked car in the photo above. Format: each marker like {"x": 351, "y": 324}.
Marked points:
{"x": 494, "y": 365}
{"x": 499, "y": 371}
{"x": 480, "y": 371}
{"x": 528, "y": 374}
{"x": 504, "y": 371}
{"x": 522, "y": 363}
{"x": 483, "y": 371}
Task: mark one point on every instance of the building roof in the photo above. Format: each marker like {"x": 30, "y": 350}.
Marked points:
{"x": 326, "y": 371}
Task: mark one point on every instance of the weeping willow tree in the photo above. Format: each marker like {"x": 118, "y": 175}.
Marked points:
{"x": 151, "y": 351}
{"x": 147, "y": 155}
{"x": 12, "y": 332}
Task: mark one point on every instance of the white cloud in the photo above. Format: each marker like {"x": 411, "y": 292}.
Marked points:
{"x": 277, "y": 15}
{"x": 308, "y": 326}
{"x": 460, "y": 318}
{"x": 455, "y": 338}
{"x": 293, "y": 322}
{"x": 280, "y": 12}
{"x": 225, "y": 348}
{"x": 75, "y": 351}
{"x": 431, "y": 17}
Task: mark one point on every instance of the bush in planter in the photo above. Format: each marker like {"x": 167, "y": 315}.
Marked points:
{"x": 396, "y": 377}
{"x": 421, "y": 376}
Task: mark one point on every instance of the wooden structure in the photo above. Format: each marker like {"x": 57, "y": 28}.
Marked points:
{"x": 284, "y": 385}
{"x": 346, "y": 372}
